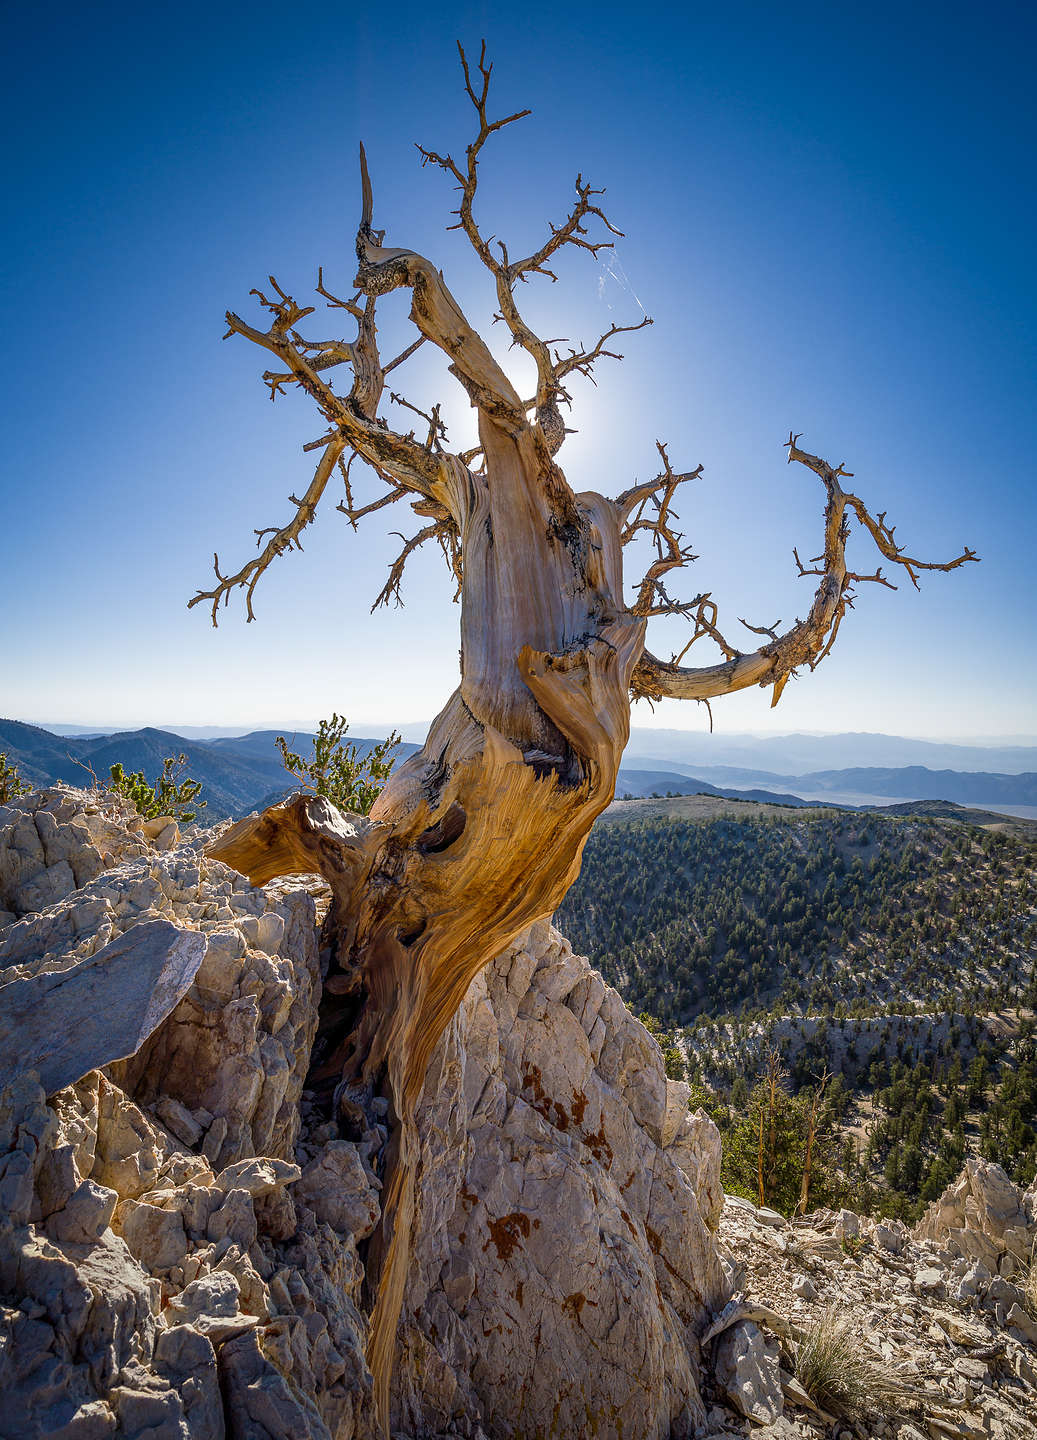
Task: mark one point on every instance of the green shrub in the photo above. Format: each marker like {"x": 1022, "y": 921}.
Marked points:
{"x": 168, "y": 796}
{"x": 11, "y": 783}
{"x": 350, "y": 781}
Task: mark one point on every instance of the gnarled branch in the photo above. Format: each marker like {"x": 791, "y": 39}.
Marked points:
{"x": 808, "y": 641}
{"x": 445, "y": 532}
{"x": 670, "y": 552}
{"x": 551, "y": 369}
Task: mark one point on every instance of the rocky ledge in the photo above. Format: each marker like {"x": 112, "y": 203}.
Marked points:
{"x": 938, "y": 1315}
{"x": 183, "y": 1228}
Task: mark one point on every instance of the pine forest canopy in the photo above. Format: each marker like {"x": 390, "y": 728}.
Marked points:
{"x": 481, "y": 832}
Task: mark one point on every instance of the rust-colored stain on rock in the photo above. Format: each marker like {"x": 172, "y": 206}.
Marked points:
{"x": 507, "y": 1233}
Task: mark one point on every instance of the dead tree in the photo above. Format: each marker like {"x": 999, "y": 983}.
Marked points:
{"x": 480, "y": 833}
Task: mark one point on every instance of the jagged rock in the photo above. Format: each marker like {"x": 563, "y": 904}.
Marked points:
{"x": 164, "y": 1242}
{"x": 259, "y": 1176}
{"x": 187, "y": 1361}
{"x": 26, "y": 1125}
{"x": 155, "y": 1237}
{"x": 210, "y": 1306}
{"x": 552, "y": 1223}
{"x": 1024, "y": 1322}
{"x": 965, "y": 1370}
{"x": 64, "y": 1024}
{"x": 260, "y": 1404}
{"x": 982, "y": 1215}
{"x": 696, "y": 1149}
{"x": 890, "y": 1234}
{"x": 339, "y": 1191}
{"x": 237, "y": 1045}
{"x": 85, "y": 1216}
{"x": 929, "y": 1278}
{"x": 234, "y": 1220}
{"x": 747, "y": 1367}
{"x": 178, "y": 1120}
{"x": 56, "y": 840}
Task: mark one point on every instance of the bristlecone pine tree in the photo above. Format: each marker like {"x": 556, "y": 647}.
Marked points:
{"x": 481, "y": 832}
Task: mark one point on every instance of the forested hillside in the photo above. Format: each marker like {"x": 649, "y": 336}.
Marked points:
{"x": 900, "y": 953}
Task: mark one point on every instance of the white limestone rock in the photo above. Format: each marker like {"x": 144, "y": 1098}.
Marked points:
{"x": 339, "y": 1191}
{"x": 65, "y": 1023}
{"x": 163, "y": 1243}
{"x": 747, "y": 1366}
{"x": 564, "y": 1266}
{"x": 983, "y": 1216}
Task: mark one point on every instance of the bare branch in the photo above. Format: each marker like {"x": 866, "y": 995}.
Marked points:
{"x": 582, "y": 361}
{"x": 334, "y": 302}
{"x": 573, "y": 231}
{"x": 771, "y": 630}
{"x": 411, "y": 463}
{"x": 671, "y": 553}
{"x": 404, "y": 464}
{"x": 445, "y": 532}
{"x": 404, "y": 354}
{"x": 570, "y": 232}
{"x": 284, "y": 538}
{"x": 809, "y": 640}
{"x": 437, "y": 315}
{"x": 436, "y": 428}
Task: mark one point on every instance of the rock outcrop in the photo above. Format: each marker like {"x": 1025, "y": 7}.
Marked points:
{"x": 953, "y": 1347}
{"x": 982, "y": 1216}
{"x": 184, "y": 1231}
{"x": 156, "y": 1276}
{"x": 565, "y": 1266}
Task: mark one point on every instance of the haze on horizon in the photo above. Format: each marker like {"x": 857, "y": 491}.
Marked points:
{"x": 838, "y": 265}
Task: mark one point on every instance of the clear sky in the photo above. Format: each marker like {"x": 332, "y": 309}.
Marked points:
{"x": 829, "y": 212}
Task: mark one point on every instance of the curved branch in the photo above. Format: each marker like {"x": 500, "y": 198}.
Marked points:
{"x": 437, "y": 315}
{"x": 670, "y": 553}
{"x": 405, "y": 465}
{"x": 408, "y": 462}
{"x": 583, "y": 361}
{"x": 808, "y": 641}
{"x": 445, "y": 531}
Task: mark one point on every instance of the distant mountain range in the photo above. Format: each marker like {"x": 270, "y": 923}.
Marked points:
{"x": 788, "y": 755}
{"x": 904, "y": 782}
{"x": 640, "y": 784}
{"x": 240, "y": 773}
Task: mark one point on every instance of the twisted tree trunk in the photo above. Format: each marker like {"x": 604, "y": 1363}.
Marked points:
{"x": 481, "y": 833}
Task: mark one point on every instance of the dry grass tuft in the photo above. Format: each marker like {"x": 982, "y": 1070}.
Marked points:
{"x": 836, "y": 1374}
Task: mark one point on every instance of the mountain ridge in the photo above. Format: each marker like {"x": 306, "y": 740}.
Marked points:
{"x": 241, "y": 772}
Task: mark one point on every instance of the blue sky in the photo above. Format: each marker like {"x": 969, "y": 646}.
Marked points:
{"x": 829, "y": 212}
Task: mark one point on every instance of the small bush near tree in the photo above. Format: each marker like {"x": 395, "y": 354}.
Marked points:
{"x": 337, "y": 770}
{"x": 169, "y": 795}
{"x": 11, "y": 783}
